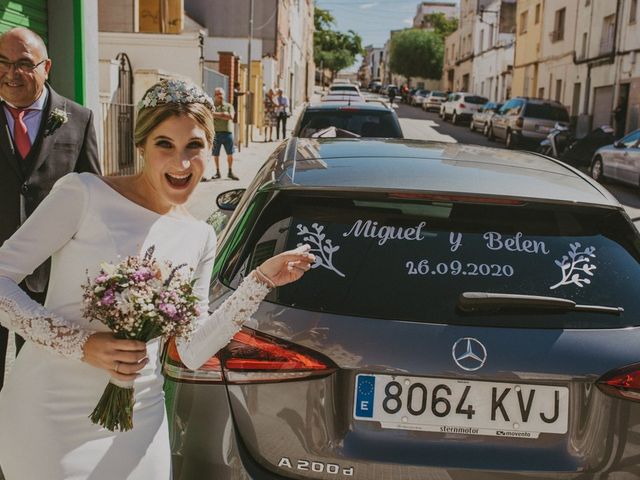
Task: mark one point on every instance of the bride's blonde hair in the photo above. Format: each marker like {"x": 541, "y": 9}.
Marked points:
{"x": 169, "y": 98}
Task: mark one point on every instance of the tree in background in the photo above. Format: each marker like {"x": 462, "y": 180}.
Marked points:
{"x": 333, "y": 50}
{"x": 441, "y": 24}
{"x": 417, "y": 53}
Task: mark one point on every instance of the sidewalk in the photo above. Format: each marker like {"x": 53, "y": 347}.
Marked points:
{"x": 246, "y": 164}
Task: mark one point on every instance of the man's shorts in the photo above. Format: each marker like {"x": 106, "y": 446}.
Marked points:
{"x": 223, "y": 139}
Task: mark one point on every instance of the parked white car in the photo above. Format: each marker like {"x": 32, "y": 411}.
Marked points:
{"x": 620, "y": 161}
{"x": 461, "y": 106}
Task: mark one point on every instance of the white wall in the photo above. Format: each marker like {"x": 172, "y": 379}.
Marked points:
{"x": 179, "y": 54}
{"x": 269, "y": 72}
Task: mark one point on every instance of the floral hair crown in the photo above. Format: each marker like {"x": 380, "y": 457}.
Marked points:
{"x": 174, "y": 91}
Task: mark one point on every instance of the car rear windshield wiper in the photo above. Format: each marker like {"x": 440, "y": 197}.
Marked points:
{"x": 470, "y": 302}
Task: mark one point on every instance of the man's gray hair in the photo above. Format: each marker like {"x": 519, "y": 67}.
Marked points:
{"x": 219, "y": 89}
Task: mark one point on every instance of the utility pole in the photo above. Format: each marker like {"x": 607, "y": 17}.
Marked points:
{"x": 248, "y": 95}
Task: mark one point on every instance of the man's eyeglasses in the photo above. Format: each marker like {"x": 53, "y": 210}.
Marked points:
{"x": 24, "y": 66}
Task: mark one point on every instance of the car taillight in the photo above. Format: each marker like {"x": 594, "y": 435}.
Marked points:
{"x": 623, "y": 383}
{"x": 251, "y": 357}
{"x": 519, "y": 122}
{"x": 462, "y": 105}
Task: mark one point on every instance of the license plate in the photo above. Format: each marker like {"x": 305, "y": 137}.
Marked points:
{"x": 467, "y": 407}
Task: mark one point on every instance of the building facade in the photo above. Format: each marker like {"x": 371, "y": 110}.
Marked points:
{"x": 584, "y": 57}
{"x": 556, "y": 67}
{"x": 494, "y": 46}
{"x": 282, "y": 35}
{"x": 371, "y": 65}
{"x": 527, "y": 53}
{"x": 449, "y": 9}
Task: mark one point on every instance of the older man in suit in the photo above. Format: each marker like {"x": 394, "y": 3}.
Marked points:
{"x": 43, "y": 136}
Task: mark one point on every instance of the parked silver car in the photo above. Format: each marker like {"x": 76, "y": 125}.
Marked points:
{"x": 620, "y": 161}
{"x": 434, "y": 100}
{"x": 419, "y": 97}
{"x": 526, "y": 121}
{"x": 473, "y": 314}
{"x": 481, "y": 120}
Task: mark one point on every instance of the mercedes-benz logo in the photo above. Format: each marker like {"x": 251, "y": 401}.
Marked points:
{"x": 469, "y": 354}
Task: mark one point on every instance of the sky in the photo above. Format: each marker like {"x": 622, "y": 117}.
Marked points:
{"x": 371, "y": 19}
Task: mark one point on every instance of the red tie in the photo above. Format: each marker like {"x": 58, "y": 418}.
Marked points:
{"x": 20, "y": 132}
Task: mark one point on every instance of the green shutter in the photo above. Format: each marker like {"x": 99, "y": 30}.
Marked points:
{"x": 24, "y": 13}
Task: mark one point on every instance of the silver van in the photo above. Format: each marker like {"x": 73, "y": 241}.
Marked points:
{"x": 524, "y": 120}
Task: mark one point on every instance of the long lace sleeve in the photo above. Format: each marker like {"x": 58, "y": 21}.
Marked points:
{"x": 215, "y": 330}
{"x": 47, "y": 230}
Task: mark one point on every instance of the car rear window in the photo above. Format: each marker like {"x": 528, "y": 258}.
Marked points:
{"x": 343, "y": 87}
{"x": 366, "y": 123}
{"x": 476, "y": 100}
{"x": 546, "y": 112}
{"x": 439, "y": 94}
{"x": 407, "y": 260}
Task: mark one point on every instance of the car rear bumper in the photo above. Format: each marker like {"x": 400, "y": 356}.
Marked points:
{"x": 206, "y": 443}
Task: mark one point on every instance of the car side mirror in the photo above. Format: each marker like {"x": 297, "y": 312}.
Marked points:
{"x": 618, "y": 144}
{"x": 230, "y": 199}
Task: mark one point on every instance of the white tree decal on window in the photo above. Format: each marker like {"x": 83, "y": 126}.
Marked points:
{"x": 321, "y": 248}
{"x": 574, "y": 264}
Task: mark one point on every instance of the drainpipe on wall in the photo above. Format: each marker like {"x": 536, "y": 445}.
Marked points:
{"x": 617, "y": 40}
{"x": 78, "y": 47}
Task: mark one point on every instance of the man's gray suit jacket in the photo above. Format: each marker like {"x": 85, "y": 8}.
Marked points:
{"x": 24, "y": 183}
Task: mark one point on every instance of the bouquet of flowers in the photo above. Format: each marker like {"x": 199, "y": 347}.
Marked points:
{"x": 138, "y": 299}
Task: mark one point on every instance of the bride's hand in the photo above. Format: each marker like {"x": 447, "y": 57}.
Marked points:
{"x": 288, "y": 266}
{"x": 121, "y": 358}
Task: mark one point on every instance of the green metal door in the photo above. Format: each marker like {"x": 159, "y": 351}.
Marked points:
{"x": 24, "y": 13}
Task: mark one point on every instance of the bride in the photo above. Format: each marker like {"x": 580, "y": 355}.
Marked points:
{"x": 61, "y": 372}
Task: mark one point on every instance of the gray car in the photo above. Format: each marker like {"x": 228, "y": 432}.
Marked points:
{"x": 481, "y": 120}
{"x": 371, "y": 119}
{"x": 524, "y": 121}
{"x": 620, "y": 161}
{"x": 473, "y": 314}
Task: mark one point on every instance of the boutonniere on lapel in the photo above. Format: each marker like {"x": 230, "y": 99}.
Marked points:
{"x": 57, "y": 118}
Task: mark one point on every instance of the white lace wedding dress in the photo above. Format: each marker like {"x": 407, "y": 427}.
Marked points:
{"x": 45, "y": 431}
